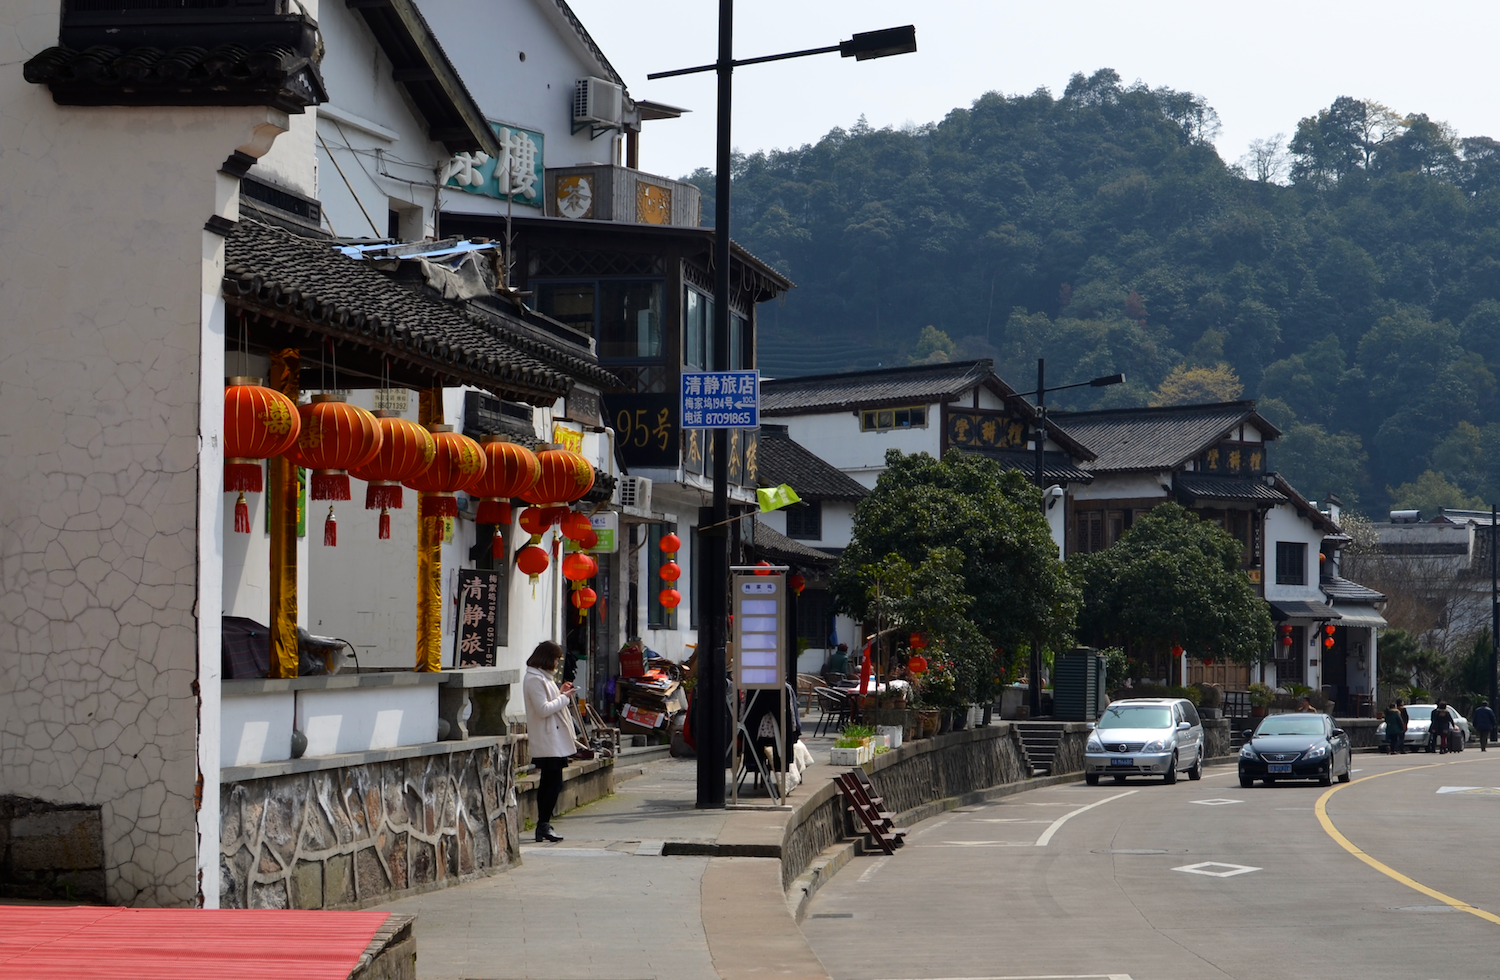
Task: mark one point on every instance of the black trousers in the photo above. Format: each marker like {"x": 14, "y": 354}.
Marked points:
{"x": 550, "y": 788}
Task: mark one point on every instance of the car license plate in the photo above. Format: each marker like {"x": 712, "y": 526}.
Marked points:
{"x": 1122, "y": 762}
{"x": 1278, "y": 768}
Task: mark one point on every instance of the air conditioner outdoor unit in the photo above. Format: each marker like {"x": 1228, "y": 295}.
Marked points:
{"x": 597, "y": 102}
{"x": 635, "y": 495}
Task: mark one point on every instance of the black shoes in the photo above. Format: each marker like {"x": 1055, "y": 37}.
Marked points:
{"x": 544, "y": 833}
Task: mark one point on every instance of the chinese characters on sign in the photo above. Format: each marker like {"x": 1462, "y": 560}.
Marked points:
{"x": 979, "y": 429}
{"x": 645, "y": 427}
{"x": 720, "y": 399}
{"x": 478, "y": 617}
{"x": 1234, "y": 458}
{"x": 516, "y": 173}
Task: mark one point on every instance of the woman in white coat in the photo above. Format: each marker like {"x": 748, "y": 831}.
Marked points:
{"x": 549, "y": 727}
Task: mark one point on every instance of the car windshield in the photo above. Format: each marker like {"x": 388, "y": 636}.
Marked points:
{"x": 1137, "y": 717}
{"x": 1290, "y": 725}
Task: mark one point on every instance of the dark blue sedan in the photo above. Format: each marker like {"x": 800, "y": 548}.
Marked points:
{"x": 1295, "y": 746}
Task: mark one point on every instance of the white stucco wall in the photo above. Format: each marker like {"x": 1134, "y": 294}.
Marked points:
{"x": 836, "y": 438}
{"x": 1283, "y": 524}
{"x": 110, "y": 395}
{"x": 1117, "y": 486}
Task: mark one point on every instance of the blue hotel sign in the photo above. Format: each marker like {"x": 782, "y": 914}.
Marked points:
{"x": 720, "y": 399}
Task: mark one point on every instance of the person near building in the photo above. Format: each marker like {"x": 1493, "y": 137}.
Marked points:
{"x": 838, "y": 664}
{"x": 1437, "y": 731}
{"x": 1484, "y": 723}
{"x": 549, "y": 729}
{"x": 1405, "y": 722}
{"x": 1395, "y": 730}
{"x": 1306, "y": 704}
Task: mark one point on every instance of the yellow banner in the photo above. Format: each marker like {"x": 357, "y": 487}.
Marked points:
{"x": 570, "y": 439}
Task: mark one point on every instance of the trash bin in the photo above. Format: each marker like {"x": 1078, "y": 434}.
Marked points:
{"x": 1078, "y": 685}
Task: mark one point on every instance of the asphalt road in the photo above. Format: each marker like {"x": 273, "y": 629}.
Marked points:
{"x": 1197, "y": 880}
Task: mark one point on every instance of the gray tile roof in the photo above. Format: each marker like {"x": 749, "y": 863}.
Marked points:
{"x": 1205, "y": 486}
{"x": 1284, "y": 609}
{"x": 775, "y": 547}
{"x": 309, "y": 283}
{"x": 780, "y": 459}
{"x": 1056, "y": 467}
{"x": 1155, "y": 438}
{"x": 1338, "y": 588}
{"x": 869, "y": 389}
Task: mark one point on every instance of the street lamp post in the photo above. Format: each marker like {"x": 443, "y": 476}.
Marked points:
{"x": 1034, "y": 686}
{"x": 710, "y": 697}
{"x": 1494, "y": 618}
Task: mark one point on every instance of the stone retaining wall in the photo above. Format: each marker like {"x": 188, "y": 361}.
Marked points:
{"x": 51, "y": 850}
{"x": 363, "y": 834}
{"x": 583, "y": 782}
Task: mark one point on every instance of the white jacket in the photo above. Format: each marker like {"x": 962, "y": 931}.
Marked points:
{"x": 549, "y": 723}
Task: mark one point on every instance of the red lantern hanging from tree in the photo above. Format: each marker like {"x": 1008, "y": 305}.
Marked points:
{"x": 917, "y": 641}
{"x": 917, "y": 664}
{"x": 510, "y": 470}
{"x": 669, "y": 598}
{"x": 259, "y": 423}
{"x": 564, "y": 477}
{"x": 797, "y": 582}
{"x": 406, "y": 449}
{"x": 457, "y": 464}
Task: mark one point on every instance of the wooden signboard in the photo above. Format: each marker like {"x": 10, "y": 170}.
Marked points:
{"x": 479, "y": 598}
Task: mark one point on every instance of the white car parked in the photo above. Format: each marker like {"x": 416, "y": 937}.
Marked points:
{"x": 1145, "y": 737}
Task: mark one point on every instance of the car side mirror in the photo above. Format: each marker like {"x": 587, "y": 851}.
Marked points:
{"x": 1248, "y": 734}
{"x": 1337, "y": 732}
{"x": 1093, "y": 725}
{"x": 1183, "y": 726}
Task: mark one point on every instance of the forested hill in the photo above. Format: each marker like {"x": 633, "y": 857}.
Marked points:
{"x": 1351, "y": 284}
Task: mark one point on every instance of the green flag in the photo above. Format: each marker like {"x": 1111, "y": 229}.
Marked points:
{"x": 775, "y": 498}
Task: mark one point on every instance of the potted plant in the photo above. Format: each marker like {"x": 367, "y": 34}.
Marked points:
{"x": 854, "y": 746}
{"x": 1261, "y": 697}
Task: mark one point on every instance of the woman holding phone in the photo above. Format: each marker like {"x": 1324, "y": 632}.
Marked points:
{"x": 549, "y": 726}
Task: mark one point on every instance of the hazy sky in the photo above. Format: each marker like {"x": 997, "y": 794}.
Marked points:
{"x": 1262, "y": 66}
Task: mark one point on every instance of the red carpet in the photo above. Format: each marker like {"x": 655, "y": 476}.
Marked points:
{"x": 45, "y": 942}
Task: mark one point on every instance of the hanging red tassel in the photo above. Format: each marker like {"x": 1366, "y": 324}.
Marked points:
{"x": 330, "y": 485}
{"x": 242, "y": 515}
{"x": 492, "y": 512}
{"x": 382, "y": 494}
{"x": 331, "y": 530}
{"x": 497, "y": 544}
{"x": 437, "y": 504}
{"x": 385, "y": 524}
{"x": 242, "y": 474}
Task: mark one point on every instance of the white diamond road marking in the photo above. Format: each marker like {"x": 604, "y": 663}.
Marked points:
{"x": 1471, "y": 790}
{"x": 1225, "y": 870}
{"x": 1215, "y": 802}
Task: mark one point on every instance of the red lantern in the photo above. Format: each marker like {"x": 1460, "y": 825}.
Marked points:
{"x": 536, "y": 520}
{"x": 259, "y": 423}
{"x": 458, "y": 463}
{"x": 763, "y": 568}
{"x": 564, "y": 477}
{"x": 589, "y": 541}
{"x": 917, "y": 641}
{"x": 671, "y": 571}
{"x": 1328, "y": 629}
{"x": 406, "y": 449}
{"x": 575, "y": 525}
{"x": 671, "y": 544}
{"x": 1177, "y": 651}
{"x": 510, "y": 470}
{"x": 917, "y": 665}
{"x": 797, "y": 582}
{"x": 669, "y": 598}
{"x": 579, "y": 567}
{"x": 1208, "y": 661}
{"x": 532, "y": 561}
{"x": 1286, "y": 639}
{"x": 336, "y": 437}
{"x": 584, "y": 598}
{"x": 1328, "y": 643}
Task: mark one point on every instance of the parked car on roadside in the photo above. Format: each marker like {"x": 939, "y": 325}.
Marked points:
{"x": 1296, "y": 746}
{"x": 1145, "y": 737}
{"x": 1420, "y": 716}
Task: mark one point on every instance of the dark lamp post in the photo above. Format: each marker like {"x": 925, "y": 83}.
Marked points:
{"x": 1034, "y": 688}
{"x": 710, "y": 699}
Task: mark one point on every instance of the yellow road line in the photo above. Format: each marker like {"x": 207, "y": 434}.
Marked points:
{"x": 1322, "y": 810}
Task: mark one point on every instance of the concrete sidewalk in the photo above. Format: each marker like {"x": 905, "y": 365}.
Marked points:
{"x": 607, "y": 904}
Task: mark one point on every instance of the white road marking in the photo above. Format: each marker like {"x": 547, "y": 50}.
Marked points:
{"x": 649, "y": 848}
{"x": 1046, "y": 837}
{"x": 1471, "y": 790}
{"x": 870, "y": 871}
{"x": 1215, "y": 802}
{"x": 984, "y": 843}
{"x": 1050, "y": 976}
{"x": 1229, "y": 870}
{"x": 1008, "y": 820}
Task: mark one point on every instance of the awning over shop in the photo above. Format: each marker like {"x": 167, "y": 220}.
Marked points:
{"x": 1285, "y": 609}
{"x": 1361, "y": 616}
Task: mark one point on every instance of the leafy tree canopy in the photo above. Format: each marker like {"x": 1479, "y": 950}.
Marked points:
{"x": 1430, "y": 492}
{"x": 1198, "y": 385}
{"x": 1099, "y": 228}
{"x": 1173, "y": 579}
{"x": 991, "y": 517}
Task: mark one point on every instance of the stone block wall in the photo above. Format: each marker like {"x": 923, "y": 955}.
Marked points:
{"x": 50, "y": 851}
{"x": 363, "y": 834}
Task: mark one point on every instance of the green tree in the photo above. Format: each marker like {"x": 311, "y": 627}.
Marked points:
{"x": 991, "y": 517}
{"x": 1430, "y": 493}
{"x": 1318, "y": 462}
{"x": 1198, "y": 386}
{"x": 1173, "y": 578}
{"x": 932, "y": 347}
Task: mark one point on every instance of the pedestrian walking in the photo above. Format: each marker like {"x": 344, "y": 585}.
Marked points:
{"x": 1395, "y": 731}
{"x": 1405, "y": 722}
{"x": 549, "y": 729}
{"x": 1437, "y": 729}
{"x": 1484, "y": 723}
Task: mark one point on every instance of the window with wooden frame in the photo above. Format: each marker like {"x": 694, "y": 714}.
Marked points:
{"x": 1088, "y": 531}
{"x": 885, "y": 419}
{"x": 1291, "y": 563}
{"x": 805, "y": 520}
{"x": 1291, "y": 661}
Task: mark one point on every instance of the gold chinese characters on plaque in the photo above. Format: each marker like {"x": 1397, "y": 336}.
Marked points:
{"x": 653, "y": 205}
{"x": 575, "y": 196}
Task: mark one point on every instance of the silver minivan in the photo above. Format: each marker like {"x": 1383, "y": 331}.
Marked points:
{"x": 1145, "y": 737}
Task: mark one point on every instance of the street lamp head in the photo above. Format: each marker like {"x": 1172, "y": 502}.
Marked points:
{"x": 1105, "y": 382}
{"x": 880, "y": 44}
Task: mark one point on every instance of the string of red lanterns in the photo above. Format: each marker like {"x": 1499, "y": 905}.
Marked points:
{"x": 406, "y": 450}
{"x": 510, "y": 470}
{"x": 670, "y": 572}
